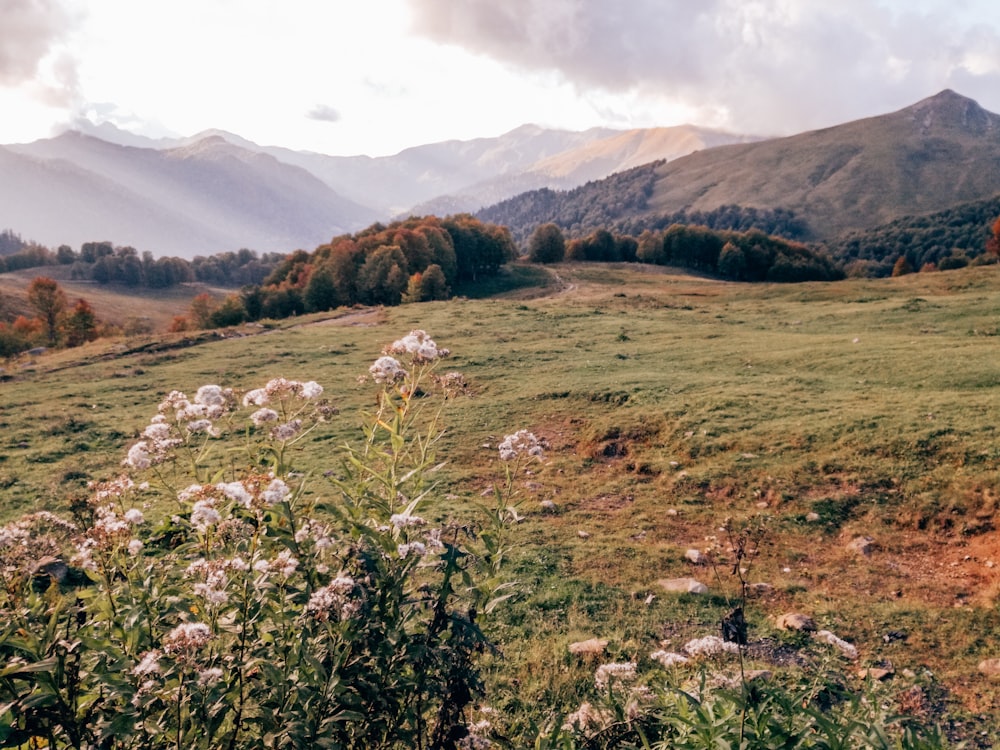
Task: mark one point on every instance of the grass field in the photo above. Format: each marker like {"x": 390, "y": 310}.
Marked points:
{"x": 668, "y": 402}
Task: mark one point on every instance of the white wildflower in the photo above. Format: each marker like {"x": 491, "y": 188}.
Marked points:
{"x": 587, "y": 717}
{"x": 402, "y": 520}
{"x": 187, "y": 638}
{"x": 134, "y": 516}
{"x": 276, "y": 492}
{"x": 323, "y": 543}
{"x": 187, "y": 411}
{"x": 614, "y": 672}
{"x": 668, "y": 658}
{"x": 209, "y": 677}
{"x": 521, "y": 443}
{"x": 138, "y": 456}
{"x": 108, "y": 524}
{"x": 263, "y": 416}
{"x": 157, "y": 431}
{"x": 434, "y": 539}
{"x": 287, "y": 431}
{"x": 418, "y": 549}
{"x": 135, "y": 547}
{"x": 210, "y": 594}
{"x": 311, "y": 390}
{"x": 236, "y": 491}
{"x": 204, "y": 514}
{"x": 200, "y": 425}
{"x": 419, "y": 346}
{"x": 334, "y": 599}
{"x": 387, "y": 370}
{"x": 256, "y": 397}
{"x": 710, "y": 645}
{"x": 173, "y": 401}
{"x": 285, "y": 563}
{"x": 192, "y": 490}
{"x": 150, "y": 664}
{"x": 210, "y": 395}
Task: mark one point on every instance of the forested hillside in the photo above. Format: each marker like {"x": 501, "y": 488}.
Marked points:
{"x": 946, "y": 239}
{"x": 620, "y": 203}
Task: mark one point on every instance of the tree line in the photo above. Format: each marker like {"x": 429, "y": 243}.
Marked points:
{"x": 107, "y": 263}
{"x": 740, "y": 256}
{"x": 413, "y": 260}
{"x": 943, "y": 240}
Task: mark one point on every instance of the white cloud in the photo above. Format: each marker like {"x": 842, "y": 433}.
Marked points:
{"x": 396, "y": 73}
{"x": 770, "y": 65}
{"x": 323, "y": 113}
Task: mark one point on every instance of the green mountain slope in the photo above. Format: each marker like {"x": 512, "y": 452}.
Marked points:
{"x": 936, "y": 154}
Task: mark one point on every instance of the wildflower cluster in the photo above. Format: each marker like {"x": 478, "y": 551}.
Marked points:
{"x": 419, "y": 347}
{"x": 387, "y": 370}
{"x": 522, "y": 444}
{"x": 244, "y": 614}
{"x": 607, "y": 674}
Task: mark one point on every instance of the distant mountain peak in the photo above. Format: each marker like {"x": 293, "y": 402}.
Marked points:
{"x": 950, "y": 110}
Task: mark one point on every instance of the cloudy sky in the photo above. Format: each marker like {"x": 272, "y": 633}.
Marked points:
{"x": 376, "y": 76}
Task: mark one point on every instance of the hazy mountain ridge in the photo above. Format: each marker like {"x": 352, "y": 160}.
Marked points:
{"x": 940, "y": 152}
{"x": 200, "y": 198}
{"x": 592, "y": 161}
{"x": 216, "y": 191}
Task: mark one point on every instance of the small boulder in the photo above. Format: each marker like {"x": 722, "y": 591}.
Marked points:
{"x": 847, "y": 649}
{"x": 990, "y": 667}
{"x": 863, "y": 545}
{"x": 695, "y": 557}
{"x": 682, "y": 585}
{"x": 590, "y": 647}
{"x": 796, "y": 621}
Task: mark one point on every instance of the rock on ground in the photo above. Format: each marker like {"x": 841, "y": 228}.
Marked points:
{"x": 682, "y": 585}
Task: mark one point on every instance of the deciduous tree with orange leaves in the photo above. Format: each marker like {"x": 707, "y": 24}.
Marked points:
{"x": 993, "y": 243}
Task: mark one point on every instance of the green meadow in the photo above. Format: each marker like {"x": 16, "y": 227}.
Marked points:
{"x": 668, "y": 403}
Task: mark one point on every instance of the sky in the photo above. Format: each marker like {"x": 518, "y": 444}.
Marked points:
{"x": 374, "y": 77}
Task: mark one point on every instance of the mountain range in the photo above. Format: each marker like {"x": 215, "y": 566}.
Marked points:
{"x": 937, "y": 154}
{"x": 217, "y": 191}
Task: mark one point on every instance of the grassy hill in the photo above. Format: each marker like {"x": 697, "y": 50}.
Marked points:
{"x": 668, "y": 403}
{"x": 115, "y": 305}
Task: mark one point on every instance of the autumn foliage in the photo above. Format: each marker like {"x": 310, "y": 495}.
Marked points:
{"x": 416, "y": 260}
